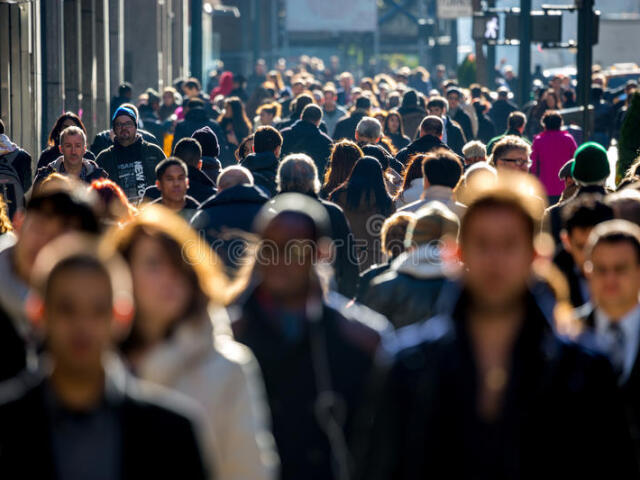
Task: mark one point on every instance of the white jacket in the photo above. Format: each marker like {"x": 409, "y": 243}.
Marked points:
{"x": 411, "y": 194}
{"x": 222, "y": 376}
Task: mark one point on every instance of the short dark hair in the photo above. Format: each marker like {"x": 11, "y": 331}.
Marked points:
{"x": 195, "y": 103}
{"x": 73, "y": 207}
{"x": 363, "y": 103}
{"x": 432, "y": 125}
{"x": 585, "y": 211}
{"x": 124, "y": 89}
{"x": 455, "y": 90}
{"x": 615, "y": 231}
{"x": 266, "y": 139}
{"x": 516, "y": 120}
{"x": 312, "y": 113}
{"x": 437, "y": 102}
{"x": 189, "y": 151}
{"x": 442, "y": 168}
{"x": 1, "y": 127}
{"x": 192, "y": 83}
{"x": 162, "y": 167}
{"x": 552, "y": 120}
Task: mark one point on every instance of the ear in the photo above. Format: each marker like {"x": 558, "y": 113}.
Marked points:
{"x": 17, "y": 221}
{"x": 200, "y": 164}
{"x": 60, "y": 148}
{"x": 158, "y": 184}
{"x": 34, "y": 307}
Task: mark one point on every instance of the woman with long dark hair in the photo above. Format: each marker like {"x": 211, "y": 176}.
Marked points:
{"x": 366, "y": 204}
{"x": 52, "y": 152}
{"x": 412, "y": 182}
{"x": 394, "y": 130}
{"x": 177, "y": 340}
{"x": 234, "y": 121}
{"x": 344, "y": 156}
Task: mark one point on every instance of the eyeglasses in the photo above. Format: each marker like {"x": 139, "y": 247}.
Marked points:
{"x": 124, "y": 125}
{"x": 518, "y": 161}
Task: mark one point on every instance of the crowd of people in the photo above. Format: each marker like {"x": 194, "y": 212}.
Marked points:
{"x": 290, "y": 276}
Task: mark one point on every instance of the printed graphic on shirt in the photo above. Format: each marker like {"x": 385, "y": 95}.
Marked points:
{"x": 132, "y": 179}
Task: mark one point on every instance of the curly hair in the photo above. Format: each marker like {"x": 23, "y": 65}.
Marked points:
{"x": 5, "y": 223}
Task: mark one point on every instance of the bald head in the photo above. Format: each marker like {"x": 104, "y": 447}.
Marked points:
{"x": 232, "y": 176}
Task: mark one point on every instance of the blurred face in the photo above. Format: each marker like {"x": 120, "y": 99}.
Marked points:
{"x": 454, "y": 101}
{"x": 514, "y": 159}
{"x": 266, "y": 118}
{"x": 437, "y": 111}
{"x": 162, "y": 292}
{"x": 125, "y": 129}
{"x": 174, "y": 184}
{"x": 393, "y": 123}
{"x": 36, "y": 231}
{"x": 285, "y": 264}
{"x": 614, "y": 276}
{"x": 550, "y": 101}
{"x": 346, "y": 82}
{"x": 78, "y": 316}
{"x": 260, "y": 68}
{"x": 575, "y": 242}
{"x": 330, "y": 99}
{"x": 297, "y": 88}
{"x": 73, "y": 148}
{"x": 167, "y": 99}
{"x": 497, "y": 251}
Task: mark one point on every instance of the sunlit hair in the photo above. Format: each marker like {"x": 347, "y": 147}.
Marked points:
{"x": 5, "y": 223}
{"x": 114, "y": 206}
{"x": 272, "y": 108}
{"x": 54, "y": 181}
{"x": 344, "y": 156}
{"x": 411, "y": 171}
{"x": 512, "y": 190}
{"x": 393, "y": 232}
{"x": 187, "y": 251}
{"x": 508, "y": 143}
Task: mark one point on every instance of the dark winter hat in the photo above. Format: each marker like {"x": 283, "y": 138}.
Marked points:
{"x": 591, "y": 164}
{"x": 124, "y": 111}
{"x": 208, "y": 141}
{"x": 565, "y": 170}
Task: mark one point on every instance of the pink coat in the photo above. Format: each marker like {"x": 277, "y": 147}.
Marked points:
{"x": 550, "y": 151}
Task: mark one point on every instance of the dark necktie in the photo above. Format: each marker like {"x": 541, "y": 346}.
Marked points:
{"x": 616, "y": 347}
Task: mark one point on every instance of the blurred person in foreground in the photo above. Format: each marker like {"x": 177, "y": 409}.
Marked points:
{"x": 177, "y": 340}
{"x": 317, "y": 355}
{"x": 612, "y": 319}
{"x": 487, "y": 389}
{"x": 48, "y": 215}
{"x": 81, "y": 415}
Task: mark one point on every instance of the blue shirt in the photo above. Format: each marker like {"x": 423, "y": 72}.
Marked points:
{"x": 630, "y": 326}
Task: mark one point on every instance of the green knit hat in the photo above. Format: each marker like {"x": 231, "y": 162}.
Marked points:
{"x": 591, "y": 163}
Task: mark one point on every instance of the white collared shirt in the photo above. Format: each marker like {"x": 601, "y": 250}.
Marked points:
{"x": 630, "y": 325}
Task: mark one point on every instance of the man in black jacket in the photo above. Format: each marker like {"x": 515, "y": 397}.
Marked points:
{"x": 15, "y": 163}
{"x": 431, "y": 131}
{"x": 501, "y": 109}
{"x": 85, "y": 417}
{"x": 454, "y": 95}
{"x": 263, "y": 162}
{"x": 488, "y": 389}
{"x": 201, "y": 187}
{"x": 453, "y": 135}
{"x": 612, "y": 320}
{"x": 73, "y": 146}
{"x": 319, "y": 360}
{"x": 226, "y": 219}
{"x": 106, "y": 138}
{"x": 346, "y": 127}
{"x": 194, "y": 119}
{"x": 130, "y": 161}
{"x": 304, "y": 136}
{"x": 298, "y": 174}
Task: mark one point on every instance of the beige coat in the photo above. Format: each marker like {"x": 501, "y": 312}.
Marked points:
{"x": 224, "y": 378}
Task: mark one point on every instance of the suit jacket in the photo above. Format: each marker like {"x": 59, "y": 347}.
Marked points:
{"x": 560, "y": 401}
{"x": 630, "y": 389}
{"x": 158, "y": 441}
